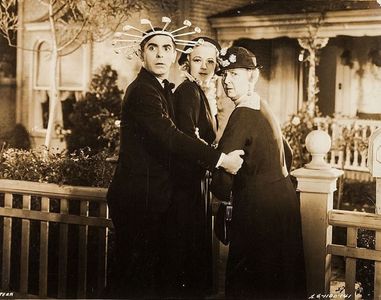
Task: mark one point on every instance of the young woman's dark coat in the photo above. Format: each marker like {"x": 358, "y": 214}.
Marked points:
{"x": 193, "y": 243}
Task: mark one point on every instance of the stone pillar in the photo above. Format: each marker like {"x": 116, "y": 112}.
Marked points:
{"x": 316, "y": 183}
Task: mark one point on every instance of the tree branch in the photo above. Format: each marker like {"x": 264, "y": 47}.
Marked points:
{"x": 74, "y": 37}
{"x": 79, "y": 31}
{"x": 73, "y": 50}
{"x": 8, "y": 20}
{"x": 43, "y": 3}
{"x": 58, "y": 10}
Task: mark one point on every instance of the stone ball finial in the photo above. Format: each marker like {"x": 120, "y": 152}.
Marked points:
{"x": 318, "y": 143}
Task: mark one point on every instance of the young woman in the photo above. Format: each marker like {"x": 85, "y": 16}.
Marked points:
{"x": 195, "y": 115}
{"x": 266, "y": 258}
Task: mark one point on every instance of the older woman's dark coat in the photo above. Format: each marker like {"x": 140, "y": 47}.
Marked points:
{"x": 265, "y": 254}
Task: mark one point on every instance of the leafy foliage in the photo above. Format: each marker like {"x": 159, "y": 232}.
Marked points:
{"x": 359, "y": 193}
{"x": 110, "y": 132}
{"x": 365, "y": 268}
{"x": 93, "y": 118}
{"x": 39, "y": 165}
{"x": 296, "y": 131}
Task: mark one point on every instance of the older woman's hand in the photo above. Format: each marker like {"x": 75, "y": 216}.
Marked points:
{"x": 232, "y": 162}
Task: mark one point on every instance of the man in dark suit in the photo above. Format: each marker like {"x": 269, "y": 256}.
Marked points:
{"x": 139, "y": 196}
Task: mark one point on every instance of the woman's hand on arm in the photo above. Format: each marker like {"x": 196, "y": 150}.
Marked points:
{"x": 232, "y": 162}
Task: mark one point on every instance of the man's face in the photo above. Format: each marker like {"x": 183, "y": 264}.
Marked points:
{"x": 158, "y": 55}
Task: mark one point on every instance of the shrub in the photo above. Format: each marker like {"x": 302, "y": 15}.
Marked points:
{"x": 18, "y": 138}
{"x": 100, "y": 104}
{"x": 77, "y": 168}
{"x": 296, "y": 129}
{"x": 359, "y": 193}
{"x": 365, "y": 268}
{"x": 110, "y": 132}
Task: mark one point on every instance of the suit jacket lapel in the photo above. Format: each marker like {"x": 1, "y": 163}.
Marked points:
{"x": 167, "y": 99}
{"x": 171, "y": 111}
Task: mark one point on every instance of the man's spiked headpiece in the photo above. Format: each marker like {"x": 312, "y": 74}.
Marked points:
{"x": 127, "y": 42}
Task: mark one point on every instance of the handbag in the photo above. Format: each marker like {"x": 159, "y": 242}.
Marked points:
{"x": 221, "y": 187}
{"x": 222, "y": 222}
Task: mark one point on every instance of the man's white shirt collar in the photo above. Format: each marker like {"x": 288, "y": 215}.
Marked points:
{"x": 160, "y": 81}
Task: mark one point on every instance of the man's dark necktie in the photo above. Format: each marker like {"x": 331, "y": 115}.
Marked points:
{"x": 168, "y": 86}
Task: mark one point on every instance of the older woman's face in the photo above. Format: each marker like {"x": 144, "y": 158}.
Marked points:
{"x": 202, "y": 61}
{"x": 236, "y": 82}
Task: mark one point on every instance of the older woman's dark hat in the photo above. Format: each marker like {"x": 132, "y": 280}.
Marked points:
{"x": 201, "y": 40}
{"x": 236, "y": 57}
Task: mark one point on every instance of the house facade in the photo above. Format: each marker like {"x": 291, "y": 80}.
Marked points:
{"x": 76, "y": 68}
{"x": 348, "y": 66}
{"x": 344, "y": 36}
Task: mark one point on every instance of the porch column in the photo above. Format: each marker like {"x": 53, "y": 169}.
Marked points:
{"x": 312, "y": 45}
{"x": 316, "y": 183}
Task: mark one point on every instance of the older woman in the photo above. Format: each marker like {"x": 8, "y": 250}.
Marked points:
{"x": 195, "y": 115}
{"x": 265, "y": 254}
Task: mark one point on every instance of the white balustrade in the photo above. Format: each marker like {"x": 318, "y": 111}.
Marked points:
{"x": 349, "y": 141}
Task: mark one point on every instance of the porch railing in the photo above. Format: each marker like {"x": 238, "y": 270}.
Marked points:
{"x": 349, "y": 155}
{"x": 75, "y": 210}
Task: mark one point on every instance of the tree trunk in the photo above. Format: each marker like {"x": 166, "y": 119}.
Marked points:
{"x": 53, "y": 99}
{"x": 54, "y": 81}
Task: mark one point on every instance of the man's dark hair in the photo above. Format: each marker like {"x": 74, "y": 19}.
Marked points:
{"x": 144, "y": 42}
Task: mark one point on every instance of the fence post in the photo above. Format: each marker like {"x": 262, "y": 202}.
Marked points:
{"x": 316, "y": 183}
{"x": 374, "y": 165}
{"x": 377, "y": 265}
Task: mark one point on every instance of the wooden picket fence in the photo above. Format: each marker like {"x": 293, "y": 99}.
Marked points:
{"x": 19, "y": 202}
{"x": 47, "y": 204}
{"x": 353, "y": 221}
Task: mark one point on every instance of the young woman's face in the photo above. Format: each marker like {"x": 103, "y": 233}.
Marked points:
{"x": 203, "y": 61}
{"x": 236, "y": 82}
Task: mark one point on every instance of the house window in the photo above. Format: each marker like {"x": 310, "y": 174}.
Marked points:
{"x": 42, "y": 66}
{"x": 72, "y": 70}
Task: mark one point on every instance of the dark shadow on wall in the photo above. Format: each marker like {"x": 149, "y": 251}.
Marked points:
{"x": 263, "y": 50}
